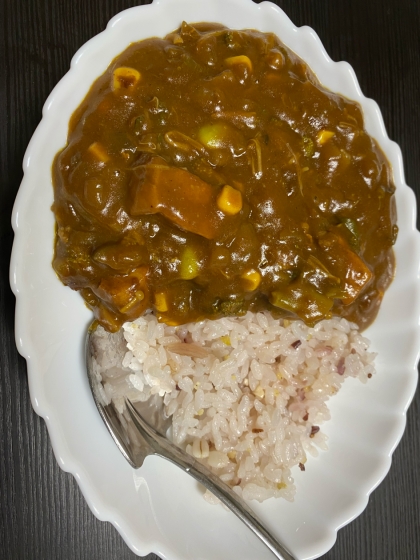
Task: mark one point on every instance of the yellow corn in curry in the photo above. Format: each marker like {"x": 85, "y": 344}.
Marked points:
{"x": 209, "y": 173}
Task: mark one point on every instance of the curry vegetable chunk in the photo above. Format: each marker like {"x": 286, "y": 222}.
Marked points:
{"x": 208, "y": 173}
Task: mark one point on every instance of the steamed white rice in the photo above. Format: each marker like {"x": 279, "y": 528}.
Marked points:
{"x": 247, "y": 395}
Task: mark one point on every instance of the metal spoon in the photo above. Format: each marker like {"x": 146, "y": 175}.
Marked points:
{"x": 141, "y": 431}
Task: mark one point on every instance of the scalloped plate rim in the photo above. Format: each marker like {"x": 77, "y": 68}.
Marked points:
{"x": 68, "y": 462}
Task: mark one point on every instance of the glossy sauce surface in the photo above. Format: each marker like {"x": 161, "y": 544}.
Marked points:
{"x": 209, "y": 172}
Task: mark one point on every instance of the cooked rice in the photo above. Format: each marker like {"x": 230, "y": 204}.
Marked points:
{"x": 247, "y": 395}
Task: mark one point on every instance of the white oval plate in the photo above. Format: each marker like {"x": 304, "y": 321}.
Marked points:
{"x": 158, "y": 508}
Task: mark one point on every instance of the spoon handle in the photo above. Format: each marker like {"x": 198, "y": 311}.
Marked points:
{"x": 163, "y": 447}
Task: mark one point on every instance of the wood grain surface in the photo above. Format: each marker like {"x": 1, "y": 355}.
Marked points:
{"x": 43, "y": 515}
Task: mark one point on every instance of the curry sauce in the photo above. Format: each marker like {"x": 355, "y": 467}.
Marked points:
{"x": 209, "y": 173}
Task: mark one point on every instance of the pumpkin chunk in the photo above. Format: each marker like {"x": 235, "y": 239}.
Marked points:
{"x": 183, "y": 198}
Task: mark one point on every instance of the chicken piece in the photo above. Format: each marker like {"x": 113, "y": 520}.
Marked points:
{"x": 122, "y": 256}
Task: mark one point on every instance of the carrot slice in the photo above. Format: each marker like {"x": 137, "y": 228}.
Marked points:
{"x": 346, "y": 264}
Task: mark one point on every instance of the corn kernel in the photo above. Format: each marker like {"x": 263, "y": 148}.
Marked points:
{"x": 97, "y": 150}
{"x": 323, "y": 136}
{"x": 252, "y": 278}
{"x": 125, "y": 77}
{"x": 225, "y": 340}
{"x": 161, "y": 302}
{"x": 229, "y": 200}
{"x": 241, "y": 59}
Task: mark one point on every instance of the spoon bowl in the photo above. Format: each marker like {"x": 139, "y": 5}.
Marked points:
{"x": 141, "y": 430}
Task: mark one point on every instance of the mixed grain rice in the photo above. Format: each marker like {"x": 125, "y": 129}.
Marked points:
{"x": 247, "y": 395}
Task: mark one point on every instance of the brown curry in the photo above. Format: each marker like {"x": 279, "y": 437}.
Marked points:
{"x": 209, "y": 173}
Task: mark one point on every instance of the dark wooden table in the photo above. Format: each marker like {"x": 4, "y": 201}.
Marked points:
{"x": 43, "y": 515}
